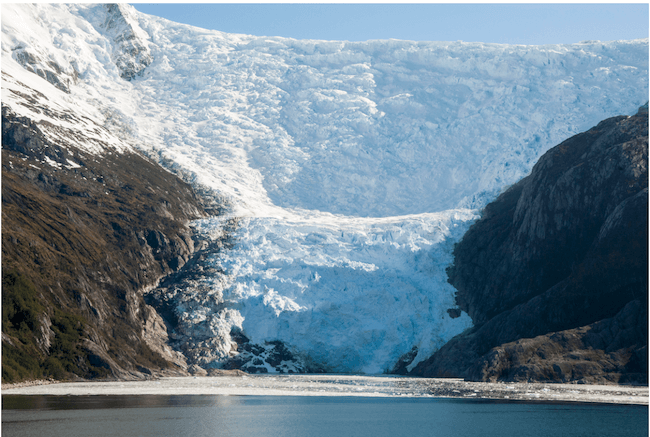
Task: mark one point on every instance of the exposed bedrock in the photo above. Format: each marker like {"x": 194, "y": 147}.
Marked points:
{"x": 131, "y": 52}
{"x": 555, "y": 273}
{"x": 83, "y": 235}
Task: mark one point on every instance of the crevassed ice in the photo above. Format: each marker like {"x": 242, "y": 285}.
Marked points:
{"x": 350, "y": 296}
{"x": 355, "y": 166}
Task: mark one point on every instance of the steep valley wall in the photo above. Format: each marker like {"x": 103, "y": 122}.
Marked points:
{"x": 82, "y": 236}
{"x": 555, "y": 273}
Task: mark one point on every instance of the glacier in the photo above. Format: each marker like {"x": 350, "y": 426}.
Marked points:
{"x": 349, "y": 169}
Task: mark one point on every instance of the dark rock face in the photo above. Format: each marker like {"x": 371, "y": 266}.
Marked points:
{"x": 83, "y": 236}
{"x": 130, "y": 53}
{"x": 45, "y": 68}
{"x": 554, "y": 274}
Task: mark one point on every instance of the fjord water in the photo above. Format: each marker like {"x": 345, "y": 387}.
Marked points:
{"x": 305, "y": 416}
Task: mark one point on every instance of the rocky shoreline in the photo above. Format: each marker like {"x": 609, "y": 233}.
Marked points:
{"x": 17, "y": 385}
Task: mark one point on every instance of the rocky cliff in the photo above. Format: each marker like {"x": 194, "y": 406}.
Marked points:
{"x": 555, "y": 273}
{"x": 83, "y": 236}
{"x": 131, "y": 52}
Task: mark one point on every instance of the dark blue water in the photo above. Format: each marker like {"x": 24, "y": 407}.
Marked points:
{"x": 258, "y": 416}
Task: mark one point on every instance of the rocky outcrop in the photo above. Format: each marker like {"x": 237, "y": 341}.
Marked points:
{"x": 554, "y": 274}
{"x": 212, "y": 344}
{"x": 84, "y": 235}
{"x": 59, "y": 76}
{"x": 131, "y": 52}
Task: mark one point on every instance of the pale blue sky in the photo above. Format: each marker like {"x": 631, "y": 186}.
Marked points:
{"x": 495, "y": 23}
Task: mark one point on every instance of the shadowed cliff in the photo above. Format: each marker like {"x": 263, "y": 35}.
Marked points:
{"x": 555, "y": 273}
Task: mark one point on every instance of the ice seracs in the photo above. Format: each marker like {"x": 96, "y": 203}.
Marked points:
{"x": 352, "y": 168}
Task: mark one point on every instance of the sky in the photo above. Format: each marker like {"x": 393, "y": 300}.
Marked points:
{"x": 493, "y": 23}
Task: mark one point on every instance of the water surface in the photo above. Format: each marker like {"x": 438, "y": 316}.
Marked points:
{"x": 311, "y": 416}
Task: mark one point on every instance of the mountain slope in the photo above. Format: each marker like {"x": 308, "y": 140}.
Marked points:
{"x": 554, "y": 275}
{"x": 82, "y": 236}
{"x": 349, "y": 170}
{"x": 88, "y": 224}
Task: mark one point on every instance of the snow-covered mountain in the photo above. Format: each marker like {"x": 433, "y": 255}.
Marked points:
{"x": 351, "y": 169}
